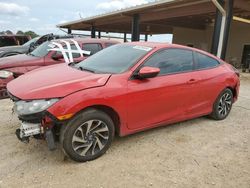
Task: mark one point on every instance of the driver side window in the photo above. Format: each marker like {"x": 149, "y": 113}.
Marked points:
{"x": 171, "y": 61}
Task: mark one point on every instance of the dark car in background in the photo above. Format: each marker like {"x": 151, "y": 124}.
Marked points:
{"x": 14, "y": 66}
{"x": 30, "y": 45}
{"x": 13, "y": 40}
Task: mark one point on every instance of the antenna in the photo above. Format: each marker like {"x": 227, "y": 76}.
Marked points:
{"x": 80, "y": 15}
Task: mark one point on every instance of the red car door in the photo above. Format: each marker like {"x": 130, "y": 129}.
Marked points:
{"x": 165, "y": 97}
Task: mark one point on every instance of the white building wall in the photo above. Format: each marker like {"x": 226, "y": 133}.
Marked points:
{"x": 239, "y": 36}
{"x": 185, "y": 36}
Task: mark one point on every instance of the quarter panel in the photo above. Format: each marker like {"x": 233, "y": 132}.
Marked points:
{"x": 113, "y": 95}
{"x": 213, "y": 82}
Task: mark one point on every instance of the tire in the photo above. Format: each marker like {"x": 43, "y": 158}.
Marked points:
{"x": 222, "y": 105}
{"x": 87, "y": 136}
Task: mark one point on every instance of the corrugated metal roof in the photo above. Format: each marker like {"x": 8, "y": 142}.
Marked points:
{"x": 157, "y": 17}
{"x": 124, "y": 10}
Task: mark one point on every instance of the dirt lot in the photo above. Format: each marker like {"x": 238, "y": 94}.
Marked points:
{"x": 196, "y": 153}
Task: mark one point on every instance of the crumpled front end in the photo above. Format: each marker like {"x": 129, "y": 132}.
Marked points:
{"x": 41, "y": 125}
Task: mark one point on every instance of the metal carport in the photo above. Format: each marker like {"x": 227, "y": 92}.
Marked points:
{"x": 160, "y": 17}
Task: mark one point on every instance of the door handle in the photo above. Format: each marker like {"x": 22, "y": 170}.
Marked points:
{"x": 191, "y": 81}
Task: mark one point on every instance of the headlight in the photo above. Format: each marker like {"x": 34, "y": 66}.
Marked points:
{"x": 32, "y": 107}
{"x": 5, "y": 74}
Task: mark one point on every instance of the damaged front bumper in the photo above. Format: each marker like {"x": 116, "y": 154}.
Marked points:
{"x": 40, "y": 126}
{"x": 30, "y": 129}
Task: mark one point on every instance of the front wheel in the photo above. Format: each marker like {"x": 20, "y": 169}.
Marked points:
{"x": 222, "y": 105}
{"x": 87, "y": 136}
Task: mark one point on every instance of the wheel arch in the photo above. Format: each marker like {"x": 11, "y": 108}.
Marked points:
{"x": 109, "y": 111}
{"x": 234, "y": 91}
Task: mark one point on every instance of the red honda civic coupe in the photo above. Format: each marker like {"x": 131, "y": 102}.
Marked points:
{"x": 125, "y": 89}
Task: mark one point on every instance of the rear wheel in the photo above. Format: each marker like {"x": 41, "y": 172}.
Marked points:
{"x": 88, "y": 135}
{"x": 222, "y": 105}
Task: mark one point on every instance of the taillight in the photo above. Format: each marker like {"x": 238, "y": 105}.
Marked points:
{"x": 237, "y": 72}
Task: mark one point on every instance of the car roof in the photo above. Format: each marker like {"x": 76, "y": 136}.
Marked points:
{"x": 158, "y": 44}
{"x": 168, "y": 45}
{"x": 87, "y": 40}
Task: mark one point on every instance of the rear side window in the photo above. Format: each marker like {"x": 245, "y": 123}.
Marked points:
{"x": 42, "y": 40}
{"x": 93, "y": 48}
{"x": 204, "y": 61}
{"x": 171, "y": 61}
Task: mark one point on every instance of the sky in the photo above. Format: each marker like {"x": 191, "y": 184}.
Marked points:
{"x": 42, "y": 16}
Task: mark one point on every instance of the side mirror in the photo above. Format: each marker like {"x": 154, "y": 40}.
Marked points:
{"x": 57, "y": 56}
{"x": 148, "y": 72}
{"x": 32, "y": 47}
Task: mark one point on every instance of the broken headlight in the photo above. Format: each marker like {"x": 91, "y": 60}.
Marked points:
{"x": 32, "y": 107}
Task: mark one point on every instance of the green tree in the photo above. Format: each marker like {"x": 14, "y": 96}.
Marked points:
{"x": 19, "y": 32}
{"x": 32, "y": 34}
{"x": 8, "y": 32}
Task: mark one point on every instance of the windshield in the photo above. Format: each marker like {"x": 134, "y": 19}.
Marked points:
{"x": 41, "y": 50}
{"x": 114, "y": 59}
{"x": 30, "y": 41}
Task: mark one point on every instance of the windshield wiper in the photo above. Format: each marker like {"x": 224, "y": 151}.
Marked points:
{"x": 85, "y": 69}
{"x": 31, "y": 54}
{"x": 72, "y": 64}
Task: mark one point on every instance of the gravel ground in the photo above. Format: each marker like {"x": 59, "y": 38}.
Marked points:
{"x": 197, "y": 153}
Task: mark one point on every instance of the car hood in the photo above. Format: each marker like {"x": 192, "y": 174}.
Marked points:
{"x": 21, "y": 49}
{"x": 10, "y": 48}
{"x": 54, "y": 82}
{"x": 19, "y": 61}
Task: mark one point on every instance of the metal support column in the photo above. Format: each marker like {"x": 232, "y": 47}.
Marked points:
{"x": 93, "y": 32}
{"x": 99, "y": 34}
{"x": 227, "y": 15}
{"x": 146, "y": 37}
{"x": 125, "y": 37}
{"x": 229, "y": 18}
{"x": 217, "y": 27}
{"x": 69, "y": 31}
{"x": 136, "y": 28}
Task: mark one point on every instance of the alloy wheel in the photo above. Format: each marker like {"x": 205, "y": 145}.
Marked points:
{"x": 90, "y": 138}
{"x": 225, "y": 104}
